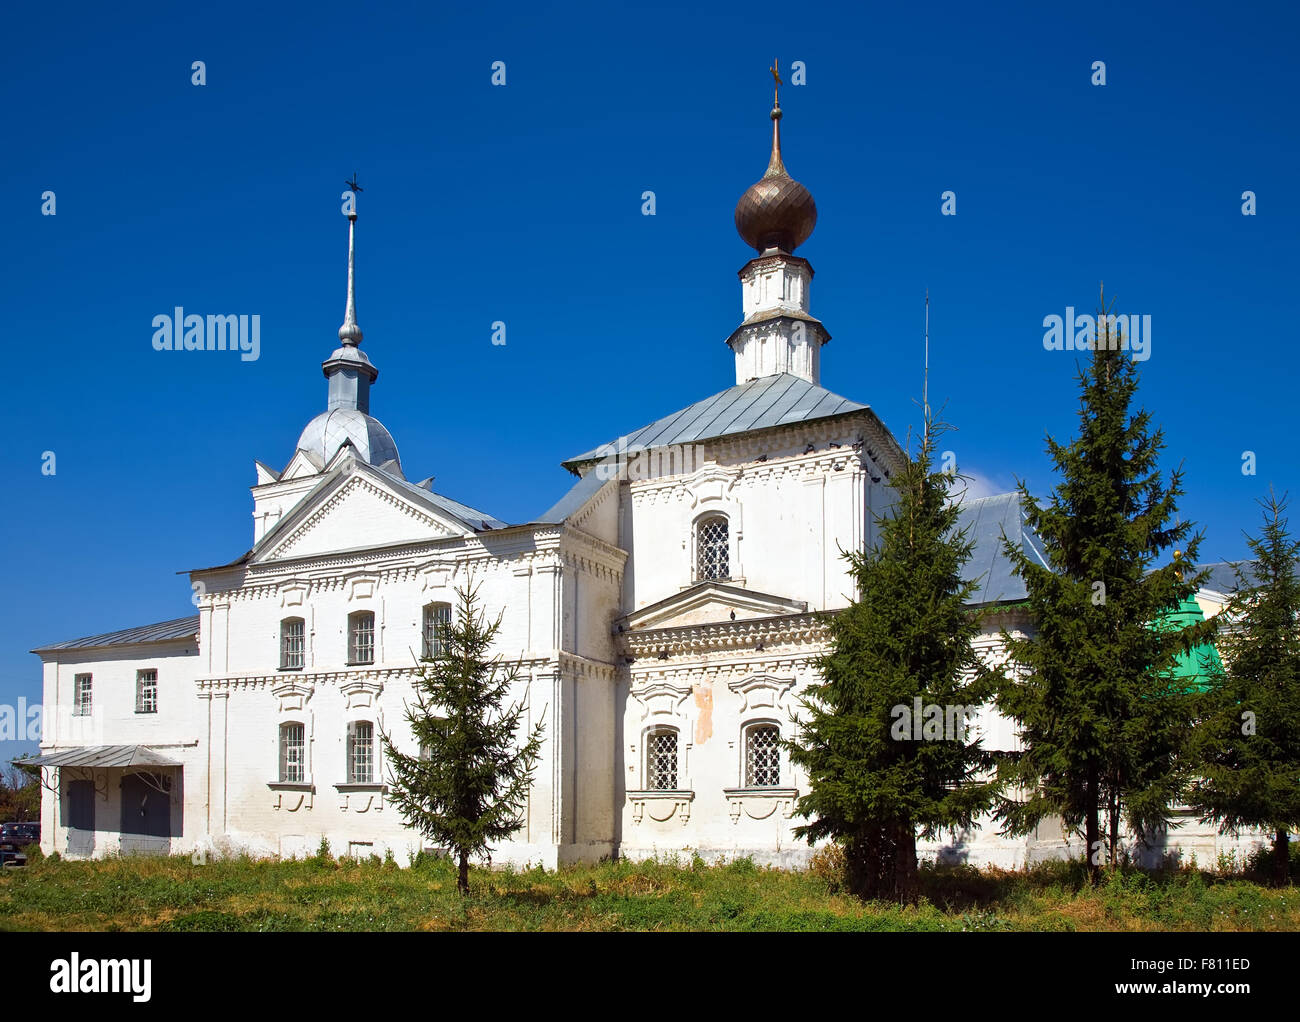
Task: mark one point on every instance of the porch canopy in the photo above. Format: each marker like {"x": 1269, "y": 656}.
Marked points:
{"x": 102, "y": 756}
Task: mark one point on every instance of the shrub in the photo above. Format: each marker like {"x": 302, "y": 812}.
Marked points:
{"x": 828, "y": 865}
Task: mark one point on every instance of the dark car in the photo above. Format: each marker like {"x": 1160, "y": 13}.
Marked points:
{"x": 14, "y": 837}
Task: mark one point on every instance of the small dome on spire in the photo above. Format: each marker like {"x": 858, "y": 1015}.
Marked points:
{"x": 776, "y": 211}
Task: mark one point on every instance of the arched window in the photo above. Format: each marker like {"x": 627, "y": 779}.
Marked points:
{"x": 437, "y": 616}
{"x": 711, "y": 549}
{"x": 661, "y": 759}
{"x": 361, "y": 752}
{"x": 361, "y": 637}
{"x": 293, "y": 753}
{"x": 292, "y": 644}
{"x": 762, "y": 756}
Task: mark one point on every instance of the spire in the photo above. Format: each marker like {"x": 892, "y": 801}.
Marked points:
{"x": 349, "y": 371}
{"x": 349, "y": 332}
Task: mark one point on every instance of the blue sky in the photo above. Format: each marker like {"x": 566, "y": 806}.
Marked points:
{"x": 522, "y": 204}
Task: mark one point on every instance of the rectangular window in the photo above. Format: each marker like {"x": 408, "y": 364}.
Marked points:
{"x": 437, "y": 616}
{"x": 361, "y": 638}
{"x": 146, "y": 691}
{"x": 291, "y": 643}
{"x": 661, "y": 761}
{"x": 293, "y": 753}
{"x": 81, "y": 695}
{"x": 361, "y": 747}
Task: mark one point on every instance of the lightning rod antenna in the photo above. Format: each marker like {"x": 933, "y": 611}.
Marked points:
{"x": 925, "y": 384}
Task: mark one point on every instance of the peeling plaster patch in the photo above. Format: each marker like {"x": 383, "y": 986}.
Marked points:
{"x": 704, "y": 703}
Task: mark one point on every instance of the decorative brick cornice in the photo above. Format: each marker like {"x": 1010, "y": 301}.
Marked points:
{"x": 787, "y": 630}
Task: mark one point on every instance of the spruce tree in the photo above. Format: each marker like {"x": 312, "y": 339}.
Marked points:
{"x": 1248, "y": 740}
{"x": 468, "y": 785}
{"x": 903, "y": 648}
{"x": 1102, "y": 715}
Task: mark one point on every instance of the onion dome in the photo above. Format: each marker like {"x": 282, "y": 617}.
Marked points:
{"x": 776, "y": 211}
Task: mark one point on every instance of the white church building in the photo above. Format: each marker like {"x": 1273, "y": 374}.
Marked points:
{"x": 665, "y": 614}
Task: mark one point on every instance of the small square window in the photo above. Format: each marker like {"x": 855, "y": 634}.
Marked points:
{"x": 146, "y": 691}
{"x": 81, "y": 695}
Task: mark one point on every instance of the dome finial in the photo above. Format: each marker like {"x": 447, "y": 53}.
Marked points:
{"x": 349, "y": 332}
{"x": 776, "y": 212}
{"x": 775, "y": 166}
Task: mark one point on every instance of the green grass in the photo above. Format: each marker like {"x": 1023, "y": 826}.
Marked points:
{"x": 323, "y": 894}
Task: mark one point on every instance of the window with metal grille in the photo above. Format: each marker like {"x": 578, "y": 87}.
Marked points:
{"x": 292, "y": 643}
{"x": 437, "y": 616}
{"x": 293, "y": 753}
{"x": 711, "y": 557}
{"x": 146, "y": 691}
{"x": 661, "y": 760}
{"x": 762, "y": 756}
{"x": 361, "y": 637}
{"x": 81, "y": 693}
{"x": 361, "y": 750}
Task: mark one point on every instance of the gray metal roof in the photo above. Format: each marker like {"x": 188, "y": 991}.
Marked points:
{"x": 777, "y": 400}
{"x": 986, "y": 519}
{"x": 102, "y": 756}
{"x": 330, "y": 430}
{"x": 476, "y": 520}
{"x": 177, "y": 628}
{"x": 581, "y": 492}
{"x": 1222, "y": 578}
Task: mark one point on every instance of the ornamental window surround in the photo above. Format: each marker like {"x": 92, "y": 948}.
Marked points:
{"x": 292, "y": 644}
{"x": 762, "y": 755}
{"x": 81, "y": 695}
{"x": 661, "y": 760}
{"x": 293, "y": 753}
{"x": 361, "y": 752}
{"x": 437, "y": 617}
{"x": 146, "y": 691}
{"x": 361, "y": 637}
{"x": 712, "y": 549}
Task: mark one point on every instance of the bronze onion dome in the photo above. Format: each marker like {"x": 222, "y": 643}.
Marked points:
{"x": 776, "y": 211}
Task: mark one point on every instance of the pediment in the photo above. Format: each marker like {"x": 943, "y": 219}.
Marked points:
{"x": 711, "y": 603}
{"x": 354, "y": 512}
{"x": 303, "y": 463}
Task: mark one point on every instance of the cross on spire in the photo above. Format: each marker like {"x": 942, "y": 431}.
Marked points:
{"x": 776, "y": 80}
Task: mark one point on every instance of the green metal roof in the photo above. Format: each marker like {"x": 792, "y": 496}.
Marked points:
{"x": 1196, "y": 667}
